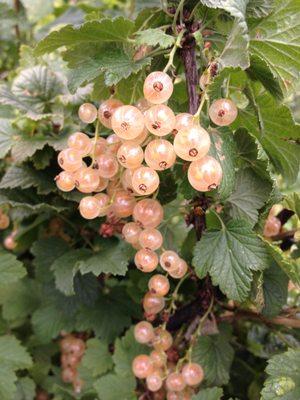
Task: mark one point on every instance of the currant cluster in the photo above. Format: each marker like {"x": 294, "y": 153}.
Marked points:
{"x": 72, "y": 350}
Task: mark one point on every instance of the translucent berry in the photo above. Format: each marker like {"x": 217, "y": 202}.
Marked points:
{"x": 159, "y": 358}
{"x": 169, "y": 260}
{"x": 107, "y": 165}
{"x": 143, "y": 332}
{"x": 139, "y": 140}
{"x": 159, "y": 285}
{"x": 192, "y": 374}
{"x": 162, "y": 340}
{"x": 146, "y": 260}
{"x": 123, "y": 204}
{"x": 160, "y": 120}
{"x": 126, "y": 180}
{"x": 81, "y": 142}
{"x": 130, "y": 155}
{"x": 148, "y": 213}
{"x": 160, "y": 154}
{"x": 113, "y": 187}
{"x": 106, "y": 110}
{"x": 65, "y": 181}
{"x": 131, "y": 232}
{"x": 9, "y": 242}
{"x": 104, "y": 204}
{"x": 158, "y": 87}
{"x": 68, "y": 375}
{"x": 4, "y": 221}
{"x": 142, "y": 366}
{"x": 272, "y": 226}
{"x": 128, "y": 122}
{"x": 86, "y": 179}
{"x": 145, "y": 180}
{"x": 70, "y": 160}
{"x": 101, "y": 146}
{"x": 204, "y": 80}
{"x": 205, "y": 174}
{"x": 87, "y": 113}
{"x": 113, "y": 143}
{"x": 192, "y": 143}
{"x": 152, "y": 303}
{"x": 103, "y": 182}
{"x": 180, "y": 270}
{"x": 151, "y": 239}
{"x": 89, "y": 207}
{"x": 223, "y": 112}
{"x": 154, "y": 381}
{"x": 184, "y": 121}
{"x": 175, "y": 382}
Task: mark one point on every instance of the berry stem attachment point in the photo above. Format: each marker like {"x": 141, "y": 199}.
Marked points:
{"x": 202, "y": 102}
{"x": 178, "y": 12}
{"x": 173, "y": 51}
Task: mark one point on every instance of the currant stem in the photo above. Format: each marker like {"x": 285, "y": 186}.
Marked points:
{"x": 173, "y": 51}
{"x": 202, "y": 102}
{"x": 96, "y": 137}
{"x": 178, "y": 11}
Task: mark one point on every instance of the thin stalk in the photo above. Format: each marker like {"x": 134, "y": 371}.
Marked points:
{"x": 173, "y": 51}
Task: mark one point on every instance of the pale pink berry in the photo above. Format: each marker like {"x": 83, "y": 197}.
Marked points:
{"x": 87, "y": 113}
{"x": 192, "y": 143}
{"x": 223, "y": 112}
{"x": 205, "y": 174}
{"x": 160, "y": 120}
{"x": 158, "y": 87}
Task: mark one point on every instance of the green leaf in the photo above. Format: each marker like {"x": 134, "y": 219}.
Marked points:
{"x": 37, "y": 86}
{"x": 289, "y": 266}
{"x": 126, "y": 349}
{"x": 292, "y": 202}
{"x": 25, "y": 177}
{"x": 224, "y": 150}
{"x": 114, "y": 387}
{"x": 65, "y": 268}
{"x": 13, "y": 354}
{"x": 259, "y": 8}
{"x": 25, "y": 389}
{"x": 6, "y": 136}
{"x": 214, "y": 393}
{"x": 113, "y": 259}
{"x": 250, "y": 194}
{"x": 283, "y": 382}
{"x": 113, "y": 62}
{"x": 97, "y": 357}
{"x": 275, "y": 290}
{"x": 7, "y": 383}
{"x": 259, "y": 70}
{"x": 230, "y": 255}
{"x": 272, "y": 125}
{"x": 275, "y": 39}
{"x": 215, "y": 354}
{"x": 106, "y": 30}
{"x": 11, "y": 270}
{"x": 154, "y": 37}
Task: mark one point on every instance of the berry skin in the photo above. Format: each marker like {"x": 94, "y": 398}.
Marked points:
{"x": 113, "y": 143}
{"x": 65, "y": 181}
{"x": 148, "y": 213}
{"x": 130, "y": 155}
{"x": 145, "y": 180}
{"x": 192, "y": 143}
{"x": 81, "y": 142}
{"x": 86, "y": 179}
{"x": 159, "y": 285}
{"x": 160, "y": 120}
{"x": 4, "y": 221}
{"x": 106, "y": 110}
{"x": 205, "y": 174}
{"x": 175, "y": 382}
{"x": 126, "y": 180}
{"x": 192, "y": 374}
{"x": 169, "y": 260}
{"x": 70, "y": 160}
{"x": 87, "y": 113}
{"x": 143, "y": 105}
{"x": 131, "y": 232}
{"x": 223, "y": 112}
{"x": 159, "y": 358}
{"x": 104, "y": 203}
{"x": 158, "y": 87}
{"x": 89, "y": 207}
{"x": 146, "y": 260}
{"x": 162, "y": 340}
{"x": 180, "y": 270}
{"x": 154, "y": 381}
{"x": 128, "y": 122}
{"x": 9, "y": 242}
{"x": 151, "y": 239}
{"x": 160, "y": 154}
{"x": 139, "y": 140}
{"x": 101, "y": 146}
{"x": 272, "y": 226}
{"x": 183, "y": 121}
{"x": 142, "y": 366}
{"x": 107, "y": 166}
{"x": 123, "y": 204}
{"x": 152, "y": 303}
{"x": 68, "y": 375}
{"x": 143, "y": 332}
